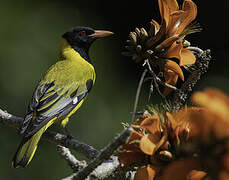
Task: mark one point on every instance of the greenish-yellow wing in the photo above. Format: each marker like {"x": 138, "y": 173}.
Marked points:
{"x": 55, "y": 99}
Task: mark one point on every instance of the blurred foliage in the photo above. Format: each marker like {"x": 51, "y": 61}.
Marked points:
{"x": 30, "y": 33}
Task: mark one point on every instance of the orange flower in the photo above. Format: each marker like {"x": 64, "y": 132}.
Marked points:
{"x": 191, "y": 144}
{"x": 214, "y": 118}
{"x": 210, "y": 128}
{"x": 153, "y": 141}
{"x": 169, "y": 36}
{"x": 164, "y": 43}
{"x": 131, "y": 152}
{"x": 183, "y": 169}
{"x": 146, "y": 173}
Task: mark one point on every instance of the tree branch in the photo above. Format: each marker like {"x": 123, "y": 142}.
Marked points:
{"x": 74, "y": 163}
{"x": 106, "y": 169}
{"x": 104, "y": 154}
{"x": 94, "y": 168}
{"x": 10, "y": 119}
{"x": 71, "y": 143}
{"x": 53, "y": 137}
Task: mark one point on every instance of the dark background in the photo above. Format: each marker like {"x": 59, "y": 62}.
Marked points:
{"x": 29, "y": 42}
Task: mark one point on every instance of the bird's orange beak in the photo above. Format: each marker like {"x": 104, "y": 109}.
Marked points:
{"x": 101, "y": 33}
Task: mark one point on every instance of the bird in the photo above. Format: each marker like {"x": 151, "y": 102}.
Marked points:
{"x": 61, "y": 92}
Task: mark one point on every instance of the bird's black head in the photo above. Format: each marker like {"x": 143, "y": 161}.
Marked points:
{"x": 83, "y": 37}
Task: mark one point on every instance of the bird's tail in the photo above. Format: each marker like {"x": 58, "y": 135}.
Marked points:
{"x": 27, "y": 149}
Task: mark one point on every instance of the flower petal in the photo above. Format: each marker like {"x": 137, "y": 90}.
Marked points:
{"x": 167, "y": 43}
{"x": 164, "y": 11}
{"x": 174, "y": 51}
{"x": 166, "y": 8}
{"x": 214, "y": 100}
{"x": 170, "y": 78}
{"x": 196, "y": 175}
{"x": 190, "y": 9}
{"x": 179, "y": 169}
{"x": 148, "y": 144}
{"x": 152, "y": 125}
{"x": 158, "y": 37}
{"x": 154, "y": 28}
{"x": 187, "y": 57}
{"x": 145, "y": 173}
{"x": 201, "y": 123}
{"x": 172, "y": 5}
{"x": 135, "y": 135}
{"x": 127, "y": 158}
{"x": 181, "y": 115}
{"x": 133, "y": 142}
{"x": 172, "y": 120}
{"x": 217, "y": 107}
{"x": 173, "y": 66}
{"x": 175, "y": 21}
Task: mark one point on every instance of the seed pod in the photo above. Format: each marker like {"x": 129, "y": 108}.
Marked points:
{"x": 144, "y": 34}
{"x": 139, "y": 48}
{"x": 133, "y": 38}
{"x": 143, "y": 31}
{"x": 137, "y": 30}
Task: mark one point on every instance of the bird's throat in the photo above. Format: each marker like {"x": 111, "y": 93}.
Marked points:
{"x": 67, "y": 51}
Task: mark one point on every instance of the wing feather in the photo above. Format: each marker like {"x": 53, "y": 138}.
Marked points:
{"x": 49, "y": 102}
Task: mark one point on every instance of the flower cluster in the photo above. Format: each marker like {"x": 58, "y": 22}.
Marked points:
{"x": 210, "y": 130}
{"x": 192, "y": 143}
{"x": 164, "y": 43}
{"x": 154, "y": 142}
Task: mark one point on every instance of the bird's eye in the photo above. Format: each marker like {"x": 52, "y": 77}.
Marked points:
{"x": 82, "y": 33}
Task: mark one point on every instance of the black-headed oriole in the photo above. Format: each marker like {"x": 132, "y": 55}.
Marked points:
{"x": 61, "y": 92}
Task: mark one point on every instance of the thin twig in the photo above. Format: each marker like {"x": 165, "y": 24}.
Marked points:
{"x": 196, "y": 49}
{"x": 138, "y": 94}
{"x": 53, "y": 137}
{"x": 10, "y": 119}
{"x": 74, "y": 163}
{"x": 151, "y": 89}
{"x": 83, "y": 148}
{"x": 104, "y": 154}
{"x": 157, "y": 79}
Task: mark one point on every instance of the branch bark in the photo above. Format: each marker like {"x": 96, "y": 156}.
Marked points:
{"x": 91, "y": 171}
{"x": 104, "y": 154}
{"x": 53, "y": 137}
{"x": 74, "y": 163}
{"x": 106, "y": 169}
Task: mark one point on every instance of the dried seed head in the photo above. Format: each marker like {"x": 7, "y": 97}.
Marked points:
{"x": 139, "y": 49}
{"x": 137, "y": 30}
{"x": 133, "y": 38}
